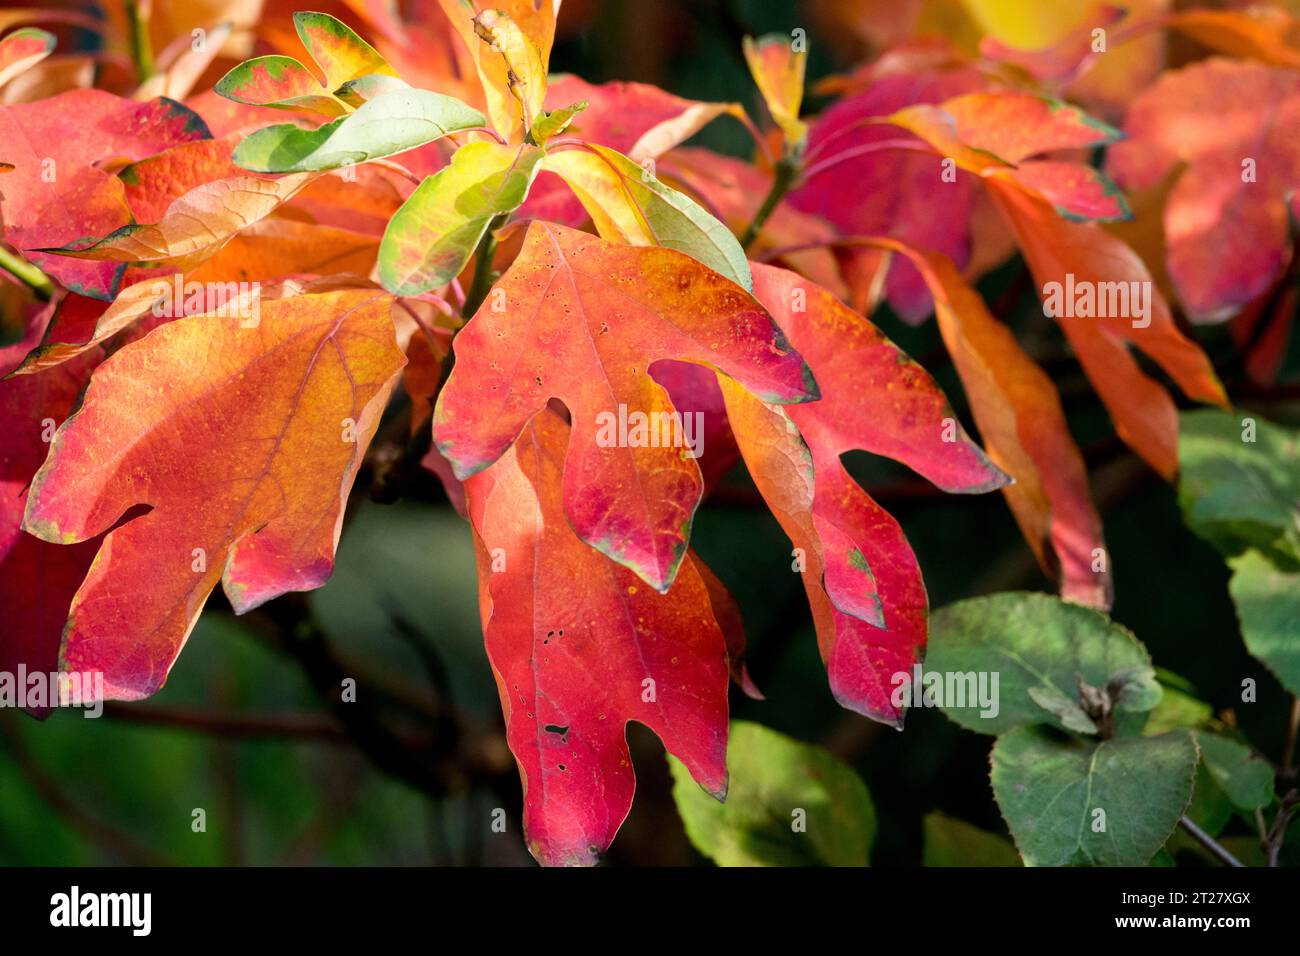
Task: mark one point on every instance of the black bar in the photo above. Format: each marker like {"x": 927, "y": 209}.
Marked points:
{"x": 332, "y": 907}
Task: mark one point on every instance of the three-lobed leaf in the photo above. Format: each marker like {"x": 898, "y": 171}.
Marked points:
{"x": 861, "y": 577}
{"x": 581, "y": 320}
{"x": 581, "y": 646}
{"x": 283, "y": 83}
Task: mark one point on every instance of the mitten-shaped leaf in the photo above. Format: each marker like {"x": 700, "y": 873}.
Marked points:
{"x": 862, "y": 579}
{"x": 580, "y": 646}
{"x": 242, "y": 439}
{"x": 581, "y": 320}
{"x": 284, "y": 83}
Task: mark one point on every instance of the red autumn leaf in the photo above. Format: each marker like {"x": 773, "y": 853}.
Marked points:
{"x": 1023, "y": 426}
{"x": 1065, "y": 256}
{"x": 581, "y": 320}
{"x": 1227, "y": 221}
{"x": 56, "y": 194}
{"x": 286, "y": 408}
{"x": 862, "y": 579}
{"x": 998, "y": 133}
{"x": 37, "y": 579}
{"x": 209, "y": 447}
{"x": 693, "y": 390}
{"x": 861, "y": 177}
{"x": 579, "y": 647}
{"x": 154, "y": 183}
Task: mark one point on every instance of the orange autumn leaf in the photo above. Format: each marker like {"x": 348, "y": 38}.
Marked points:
{"x": 257, "y": 506}
{"x": 1069, "y": 258}
{"x": 777, "y": 63}
{"x": 1096, "y": 288}
{"x": 1023, "y": 426}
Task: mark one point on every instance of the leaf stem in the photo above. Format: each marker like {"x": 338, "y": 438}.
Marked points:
{"x": 141, "y": 45}
{"x": 27, "y": 273}
{"x": 787, "y": 171}
{"x": 397, "y": 168}
{"x": 482, "y": 281}
{"x": 1207, "y": 841}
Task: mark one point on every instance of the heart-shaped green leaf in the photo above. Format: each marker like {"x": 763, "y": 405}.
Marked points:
{"x": 1039, "y": 649}
{"x": 1073, "y": 802}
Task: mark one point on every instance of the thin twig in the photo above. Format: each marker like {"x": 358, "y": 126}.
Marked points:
{"x": 241, "y": 726}
{"x": 1207, "y": 841}
{"x": 1276, "y": 835}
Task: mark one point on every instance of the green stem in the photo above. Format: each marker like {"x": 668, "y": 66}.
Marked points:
{"x": 141, "y": 45}
{"x": 28, "y": 274}
{"x": 483, "y": 275}
{"x": 786, "y": 172}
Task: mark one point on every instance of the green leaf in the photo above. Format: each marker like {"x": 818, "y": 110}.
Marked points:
{"x": 1179, "y": 707}
{"x": 1037, "y": 648}
{"x": 1237, "y": 493}
{"x": 788, "y": 804}
{"x": 1268, "y": 606}
{"x": 389, "y": 124}
{"x": 1245, "y": 778}
{"x": 555, "y": 122}
{"x": 431, "y": 238}
{"x": 953, "y": 842}
{"x": 628, "y": 204}
{"x": 1072, "y": 802}
{"x": 1210, "y": 810}
{"x": 369, "y": 87}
